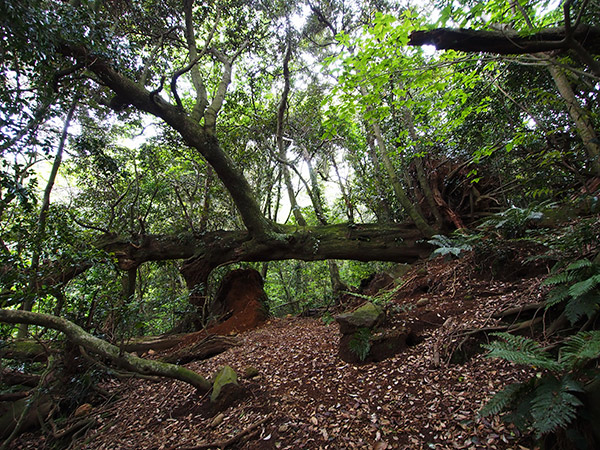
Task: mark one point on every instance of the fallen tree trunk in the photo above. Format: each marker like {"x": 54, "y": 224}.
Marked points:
{"x": 155, "y": 343}
{"x": 122, "y": 359}
{"x": 362, "y": 242}
{"x": 27, "y": 350}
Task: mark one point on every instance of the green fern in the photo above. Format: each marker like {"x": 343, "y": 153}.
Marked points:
{"x": 559, "y": 278}
{"x": 557, "y": 295}
{"x": 580, "y": 264}
{"x": 360, "y": 343}
{"x": 549, "y": 402}
{"x": 521, "y": 350}
{"x": 554, "y": 405}
{"x": 450, "y": 246}
{"x": 580, "y": 349}
{"x": 584, "y": 305}
{"x": 585, "y": 286}
{"x": 579, "y": 284}
{"x": 507, "y": 397}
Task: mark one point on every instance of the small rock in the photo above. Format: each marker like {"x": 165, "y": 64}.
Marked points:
{"x": 368, "y": 315}
{"x": 423, "y": 302}
{"x": 217, "y": 420}
{"x": 250, "y": 372}
{"x": 223, "y": 377}
{"x": 83, "y": 410}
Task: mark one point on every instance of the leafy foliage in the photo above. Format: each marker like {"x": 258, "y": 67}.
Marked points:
{"x": 579, "y": 285}
{"x": 514, "y": 221}
{"x": 549, "y": 401}
{"x": 455, "y": 246}
{"x": 360, "y": 343}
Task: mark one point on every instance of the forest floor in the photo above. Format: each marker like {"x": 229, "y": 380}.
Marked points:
{"x": 305, "y": 397}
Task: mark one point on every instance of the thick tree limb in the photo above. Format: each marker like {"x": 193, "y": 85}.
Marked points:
{"x": 367, "y": 242}
{"x": 508, "y": 42}
{"x": 126, "y": 360}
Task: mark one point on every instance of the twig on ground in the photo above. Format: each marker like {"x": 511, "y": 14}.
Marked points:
{"x": 247, "y": 432}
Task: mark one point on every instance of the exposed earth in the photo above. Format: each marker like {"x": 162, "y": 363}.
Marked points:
{"x": 305, "y": 397}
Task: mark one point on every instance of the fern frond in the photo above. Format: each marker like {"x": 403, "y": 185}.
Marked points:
{"x": 502, "y": 400}
{"x": 557, "y": 295}
{"x": 577, "y": 307}
{"x": 585, "y": 286}
{"x": 559, "y": 278}
{"x": 521, "y": 350}
{"x": 521, "y": 413}
{"x": 440, "y": 240}
{"x": 554, "y": 405}
{"x": 579, "y": 264}
{"x": 580, "y": 349}
{"x": 360, "y": 343}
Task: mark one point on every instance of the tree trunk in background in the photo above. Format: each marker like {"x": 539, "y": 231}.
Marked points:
{"x": 401, "y": 195}
{"x": 421, "y": 177}
{"x": 206, "y": 203}
{"x": 42, "y": 218}
{"x": 345, "y": 196}
{"x": 385, "y": 214}
{"x": 579, "y": 115}
{"x": 279, "y": 137}
{"x": 337, "y": 285}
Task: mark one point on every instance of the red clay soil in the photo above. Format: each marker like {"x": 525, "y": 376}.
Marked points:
{"x": 305, "y": 397}
{"x": 241, "y": 298}
{"x": 241, "y": 294}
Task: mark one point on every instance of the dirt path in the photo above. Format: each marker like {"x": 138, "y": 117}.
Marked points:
{"x": 311, "y": 399}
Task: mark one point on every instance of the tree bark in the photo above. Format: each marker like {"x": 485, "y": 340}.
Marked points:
{"x": 42, "y": 218}
{"x": 122, "y": 359}
{"x": 507, "y": 42}
{"x": 370, "y": 242}
{"x": 579, "y": 115}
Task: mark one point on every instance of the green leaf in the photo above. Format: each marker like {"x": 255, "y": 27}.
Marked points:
{"x": 554, "y": 405}
{"x": 521, "y": 350}
{"x": 580, "y": 349}
{"x": 360, "y": 344}
{"x": 579, "y": 264}
{"x": 502, "y": 400}
{"x": 585, "y": 286}
{"x": 557, "y": 295}
{"x": 586, "y": 304}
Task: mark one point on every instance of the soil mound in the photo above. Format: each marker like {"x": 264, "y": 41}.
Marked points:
{"x": 241, "y": 299}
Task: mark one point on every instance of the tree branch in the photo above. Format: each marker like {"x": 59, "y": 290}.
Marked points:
{"x": 210, "y": 116}
{"x": 197, "y": 137}
{"x": 506, "y": 43}
{"x": 91, "y": 343}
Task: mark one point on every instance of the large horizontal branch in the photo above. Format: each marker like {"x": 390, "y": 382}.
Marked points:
{"x": 366, "y": 242}
{"x": 507, "y": 42}
{"x": 78, "y": 336}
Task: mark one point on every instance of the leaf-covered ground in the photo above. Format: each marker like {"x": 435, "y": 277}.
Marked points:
{"x": 306, "y": 397}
